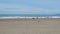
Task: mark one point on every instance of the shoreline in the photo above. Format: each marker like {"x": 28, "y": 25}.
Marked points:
{"x": 17, "y": 17}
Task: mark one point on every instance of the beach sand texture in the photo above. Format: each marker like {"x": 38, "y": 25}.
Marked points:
{"x": 30, "y": 26}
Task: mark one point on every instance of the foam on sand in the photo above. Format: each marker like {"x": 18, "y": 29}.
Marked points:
{"x": 29, "y": 17}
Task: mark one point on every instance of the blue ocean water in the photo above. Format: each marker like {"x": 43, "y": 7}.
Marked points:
{"x": 26, "y": 15}
{"x": 13, "y": 16}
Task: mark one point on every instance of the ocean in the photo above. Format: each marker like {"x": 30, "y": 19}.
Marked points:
{"x": 7, "y": 16}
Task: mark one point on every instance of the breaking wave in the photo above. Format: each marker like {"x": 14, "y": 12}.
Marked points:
{"x": 11, "y": 17}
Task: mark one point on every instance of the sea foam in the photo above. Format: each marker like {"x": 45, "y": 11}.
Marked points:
{"x": 15, "y": 17}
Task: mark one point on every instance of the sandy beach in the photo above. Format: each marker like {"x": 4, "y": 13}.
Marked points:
{"x": 30, "y": 26}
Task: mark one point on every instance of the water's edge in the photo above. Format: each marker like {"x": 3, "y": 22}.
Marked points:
{"x": 15, "y": 17}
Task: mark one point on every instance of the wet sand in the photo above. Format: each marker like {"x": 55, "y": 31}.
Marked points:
{"x": 30, "y": 26}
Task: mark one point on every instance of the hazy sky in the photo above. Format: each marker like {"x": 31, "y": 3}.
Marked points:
{"x": 29, "y": 6}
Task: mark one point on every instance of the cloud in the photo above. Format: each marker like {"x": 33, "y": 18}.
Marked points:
{"x": 16, "y": 8}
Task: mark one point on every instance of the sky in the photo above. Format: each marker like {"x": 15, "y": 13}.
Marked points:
{"x": 29, "y": 6}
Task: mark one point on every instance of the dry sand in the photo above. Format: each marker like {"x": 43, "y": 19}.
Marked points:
{"x": 30, "y": 26}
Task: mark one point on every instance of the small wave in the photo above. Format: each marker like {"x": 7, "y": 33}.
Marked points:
{"x": 29, "y": 17}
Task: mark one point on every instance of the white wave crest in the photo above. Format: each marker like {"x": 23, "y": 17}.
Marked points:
{"x": 29, "y": 17}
